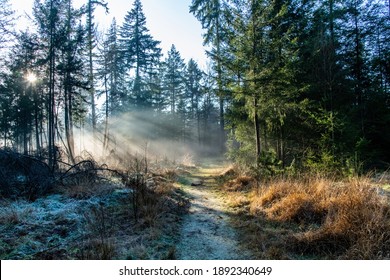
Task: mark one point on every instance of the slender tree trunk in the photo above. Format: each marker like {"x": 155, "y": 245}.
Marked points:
{"x": 381, "y": 73}
{"x": 254, "y": 70}
{"x": 68, "y": 96}
{"x": 38, "y": 146}
{"x": 358, "y": 69}
{"x": 69, "y": 125}
{"x": 220, "y": 88}
{"x": 51, "y": 119}
{"x": 198, "y": 117}
{"x": 25, "y": 138}
{"x": 66, "y": 112}
{"x": 282, "y": 152}
{"x": 257, "y": 130}
{"x": 105, "y": 141}
{"x": 90, "y": 65}
{"x": 137, "y": 85}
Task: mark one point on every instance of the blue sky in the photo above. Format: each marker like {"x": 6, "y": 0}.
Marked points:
{"x": 169, "y": 21}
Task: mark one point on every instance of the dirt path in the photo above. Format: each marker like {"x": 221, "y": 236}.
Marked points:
{"x": 206, "y": 233}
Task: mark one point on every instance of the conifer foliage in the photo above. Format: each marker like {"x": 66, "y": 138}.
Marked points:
{"x": 289, "y": 84}
{"x": 301, "y": 79}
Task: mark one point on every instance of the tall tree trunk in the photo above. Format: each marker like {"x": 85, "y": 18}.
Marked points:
{"x": 68, "y": 94}
{"x": 281, "y": 146}
{"x": 51, "y": 119}
{"x": 358, "y": 69}
{"x": 257, "y": 130}
{"x": 90, "y": 64}
{"x": 105, "y": 140}
{"x": 38, "y": 146}
{"x": 220, "y": 88}
{"x": 68, "y": 135}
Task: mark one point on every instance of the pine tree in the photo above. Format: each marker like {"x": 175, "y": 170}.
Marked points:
{"x": 173, "y": 78}
{"x": 211, "y": 14}
{"x": 71, "y": 69}
{"x": 111, "y": 73}
{"x": 193, "y": 91}
{"x": 7, "y": 20}
{"x": 62, "y": 41}
{"x": 49, "y": 20}
{"x": 20, "y": 100}
{"x": 140, "y": 52}
{"x": 91, "y": 35}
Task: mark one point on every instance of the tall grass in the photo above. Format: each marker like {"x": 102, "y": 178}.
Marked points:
{"x": 326, "y": 218}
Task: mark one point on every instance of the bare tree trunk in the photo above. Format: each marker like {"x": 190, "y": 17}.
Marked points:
{"x": 90, "y": 64}
{"x": 257, "y": 130}
{"x": 105, "y": 140}
{"x": 38, "y": 146}
{"x": 220, "y": 89}
{"x": 51, "y": 121}
{"x": 68, "y": 97}
{"x": 358, "y": 69}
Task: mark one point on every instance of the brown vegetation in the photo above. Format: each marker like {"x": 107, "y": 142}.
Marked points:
{"x": 314, "y": 217}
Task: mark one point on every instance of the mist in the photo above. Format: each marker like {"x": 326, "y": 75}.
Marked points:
{"x": 158, "y": 136}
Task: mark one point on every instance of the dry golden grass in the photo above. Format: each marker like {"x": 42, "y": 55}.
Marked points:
{"x": 241, "y": 183}
{"x": 320, "y": 218}
{"x": 238, "y": 200}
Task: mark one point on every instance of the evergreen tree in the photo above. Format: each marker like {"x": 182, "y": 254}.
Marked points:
{"x": 211, "y": 14}
{"x": 91, "y": 35}
{"x": 20, "y": 101}
{"x": 62, "y": 41}
{"x": 111, "y": 73}
{"x": 49, "y": 17}
{"x": 7, "y": 19}
{"x": 71, "y": 69}
{"x": 140, "y": 52}
{"x": 173, "y": 78}
{"x": 193, "y": 92}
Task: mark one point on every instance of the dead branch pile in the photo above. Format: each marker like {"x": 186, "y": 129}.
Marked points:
{"x": 22, "y": 175}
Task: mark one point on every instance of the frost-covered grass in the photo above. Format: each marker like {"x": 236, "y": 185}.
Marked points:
{"x": 29, "y": 229}
{"x": 80, "y": 224}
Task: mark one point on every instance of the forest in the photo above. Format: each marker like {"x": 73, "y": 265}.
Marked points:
{"x": 292, "y": 113}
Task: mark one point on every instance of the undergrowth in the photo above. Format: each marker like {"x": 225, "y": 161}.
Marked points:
{"x": 312, "y": 217}
{"x": 91, "y": 211}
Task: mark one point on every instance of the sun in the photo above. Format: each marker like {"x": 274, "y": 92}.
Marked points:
{"x": 31, "y": 77}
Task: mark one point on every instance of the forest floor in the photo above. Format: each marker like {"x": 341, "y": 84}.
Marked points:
{"x": 205, "y": 212}
{"x": 207, "y": 232}
{"x": 233, "y": 216}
